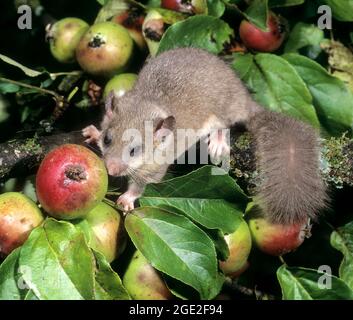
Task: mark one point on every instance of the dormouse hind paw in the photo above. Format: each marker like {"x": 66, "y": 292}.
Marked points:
{"x": 218, "y": 146}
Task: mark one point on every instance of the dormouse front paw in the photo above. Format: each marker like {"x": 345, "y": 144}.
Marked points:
{"x": 91, "y": 133}
{"x": 127, "y": 200}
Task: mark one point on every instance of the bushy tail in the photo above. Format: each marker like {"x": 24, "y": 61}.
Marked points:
{"x": 291, "y": 189}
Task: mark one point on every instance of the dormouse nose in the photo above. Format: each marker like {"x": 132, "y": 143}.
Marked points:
{"x": 115, "y": 167}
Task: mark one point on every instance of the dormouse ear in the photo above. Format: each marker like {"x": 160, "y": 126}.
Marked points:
{"x": 163, "y": 127}
{"x": 109, "y": 104}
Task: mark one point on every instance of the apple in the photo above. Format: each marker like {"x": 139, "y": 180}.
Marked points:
{"x": 71, "y": 181}
{"x": 105, "y": 49}
{"x": 132, "y": 20}
{"x": 239, "y": 244}
{"x": 64, "y": 36}
{"x": 264, "y": 41}
{"x": 152, "y": 30}
{"x": 277, "y": 239}
{"x": 19, "y": 215}
{"x": 143, "y": 282}
{"x": 104, "y": 230}
{"x": 186, "y": 6}
{"x": 120, "y": 84}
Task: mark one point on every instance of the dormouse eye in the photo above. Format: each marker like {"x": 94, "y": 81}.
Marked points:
{"x": 107, "y": 138}
{"x": 135, "y": 151}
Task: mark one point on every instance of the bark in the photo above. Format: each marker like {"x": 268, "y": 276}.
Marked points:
{"x": 21, "y": 157}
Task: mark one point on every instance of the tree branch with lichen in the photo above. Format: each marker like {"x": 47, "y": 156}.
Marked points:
{"x": 21, "y": 157}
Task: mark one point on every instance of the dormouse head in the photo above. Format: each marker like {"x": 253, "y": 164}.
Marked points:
{"x": 134, "y": 133}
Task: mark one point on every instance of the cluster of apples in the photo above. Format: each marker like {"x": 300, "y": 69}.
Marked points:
{"x": 252, "y": 37}
{"x": 71, "y": 183}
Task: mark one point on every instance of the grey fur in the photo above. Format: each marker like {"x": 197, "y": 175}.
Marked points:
{"x": 200, "y": 91}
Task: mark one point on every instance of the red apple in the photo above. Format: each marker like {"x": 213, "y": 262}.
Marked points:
{"x": 239, "y": 244}
{"x": 143, "y": 282}
{"x": 71, "y": 181}
{"x": 259, "y": 40}
{"x": 186, "y": 6}
{"x": 277, "y": 239}
{"x": 18, "y": 216}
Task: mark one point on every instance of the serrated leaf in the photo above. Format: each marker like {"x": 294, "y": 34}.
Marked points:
{"x": 257, "y": 13}
{"x": 177, "y": 247}
{"x": 108, "y": 285}
{"x": 59, "y": 264}
{"x": 332, "y": 99}
{"x": 275, "y": 84}
{"x": 305, "y": 36}
{"x": 205, "y": 32}
{"x": 29, "y": 72}
{"x": 342, "y": 240}
{"x": 216, "y": 8}
{"x": 304, "y": 284}
{"x": 207, "y": 206}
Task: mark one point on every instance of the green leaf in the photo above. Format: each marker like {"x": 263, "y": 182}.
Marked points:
{"x": 305, "y": 36}
{"x": 108, "y": 285}
{"x": 342, "y": 240}
{"x": 284, "y": 3}
{"x": 275, "y": 84}
{"x": 257, "y": 13}
{"x": 205, "y": 32}
{"x": 332, "y": 99}
{"x": 177, "y": 247}
{"x": 206, "y": 206}
{"x": 215, "y": 235}
{"x": 215, "y": 8}
{"x": 341, "y": 10}
{"x": 11, "y": 286}
{"x": 8, "y": 88}
{"x": 220, "y": 243}
{"x": 304, "y": 284}
{"x": 59, "y": 264}
{"x": 29, "y": 72}
{"x": 170, "y": 16}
